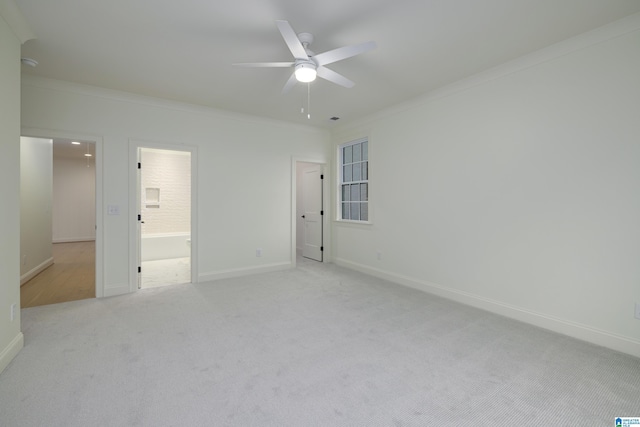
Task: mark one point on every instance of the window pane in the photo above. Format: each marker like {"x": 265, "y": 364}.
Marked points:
{"x": 357, "y": 167}
{"x": 357, "y": 152}
{"x": 345, "y": 211}
{"x": 354, "y": 177}
{"x": 346, "y": 174}
{"x": 355, "y": 192}
{"x": 347, "y": 156}
{"x": 364, "y": 211}
{"x": 346, "y": 191}
{"x": 355, "y": 211}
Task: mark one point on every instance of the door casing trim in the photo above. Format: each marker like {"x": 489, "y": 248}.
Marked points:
{"x": 134, "y": 146}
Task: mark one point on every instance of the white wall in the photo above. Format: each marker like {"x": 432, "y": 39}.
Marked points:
{"x": 13, "y": 32}
{"x": 170, "y": 172}
{"x": 74, "y": 203}
{"x": 517, "y": 191}
{"x": 244, "y": 171}
{"x": 36, "y": 195}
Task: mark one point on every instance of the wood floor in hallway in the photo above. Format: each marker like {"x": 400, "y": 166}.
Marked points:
{"x": 70, "y": 278}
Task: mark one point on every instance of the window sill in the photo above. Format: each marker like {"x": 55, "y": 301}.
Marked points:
{"x": 351, "y": 223}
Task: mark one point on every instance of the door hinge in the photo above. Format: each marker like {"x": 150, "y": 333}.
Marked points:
{"x": 139, "y": 269}
{"x": 139, "y": 217}
{"x": 321, "y": 176}
{"x": 139, "y": 165}
{"x": 321, "y": 248}
{"x": 321, "y": 212}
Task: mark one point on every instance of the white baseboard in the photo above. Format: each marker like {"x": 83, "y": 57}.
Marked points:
{"x": 573, "y": 329}
{"x": 245, "y": 271}
{"x": 11, "y": 351}
{"x": 35, "y": 271}
{"x": 74, "y": 239}
{"x": 115, "y": 290}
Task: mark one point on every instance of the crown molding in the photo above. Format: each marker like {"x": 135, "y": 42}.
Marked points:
{"x": 10, "y": 12}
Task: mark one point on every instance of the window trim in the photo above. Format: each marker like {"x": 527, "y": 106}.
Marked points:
{"x": 340, "y": 183}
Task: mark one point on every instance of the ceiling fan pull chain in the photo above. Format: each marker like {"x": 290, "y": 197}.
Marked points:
{"x": 309, "y": 101}
{"x": 302, "y": 108}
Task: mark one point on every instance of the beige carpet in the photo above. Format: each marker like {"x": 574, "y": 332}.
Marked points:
{"x": 315, "y": 346}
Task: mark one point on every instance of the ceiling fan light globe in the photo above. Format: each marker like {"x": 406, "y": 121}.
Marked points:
{"x": 305, "y": 73}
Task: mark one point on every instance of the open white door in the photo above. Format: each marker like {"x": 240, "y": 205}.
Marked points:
{"x": 139, "y": 213}
{"x": 312, "y": 208}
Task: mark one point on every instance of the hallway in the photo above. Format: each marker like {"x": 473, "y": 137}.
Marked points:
{"x": 70, "y": 278}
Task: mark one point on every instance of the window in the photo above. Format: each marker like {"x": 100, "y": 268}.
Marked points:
{"x": 354, "y": 180}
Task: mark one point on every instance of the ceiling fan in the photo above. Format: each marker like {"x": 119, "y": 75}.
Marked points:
{"x": 307, "y": 65}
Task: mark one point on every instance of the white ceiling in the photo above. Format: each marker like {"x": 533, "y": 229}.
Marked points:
{"x": 183, "y": 50}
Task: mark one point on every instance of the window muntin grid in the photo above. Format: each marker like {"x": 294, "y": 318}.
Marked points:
{"x": 354, "y": 181}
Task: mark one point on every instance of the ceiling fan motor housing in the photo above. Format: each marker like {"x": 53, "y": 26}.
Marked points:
{"x": 305, "y": 38}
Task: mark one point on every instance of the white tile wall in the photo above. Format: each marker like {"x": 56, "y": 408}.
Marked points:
{"x": 170, "y": 171}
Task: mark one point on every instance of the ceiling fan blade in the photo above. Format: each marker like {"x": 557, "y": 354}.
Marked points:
{"x": 265, "y": 64}
{"x": 291, "y": 39}
{"x": 334, "y": 77}
{"x": 343, "y": 53}
{"x": 289, "y": 84}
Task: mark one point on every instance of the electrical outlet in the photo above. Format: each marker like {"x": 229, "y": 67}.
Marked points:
{"x": 13, "y": 311}
{"x": 637, "y": 313}
{"x": 259, "y": 252}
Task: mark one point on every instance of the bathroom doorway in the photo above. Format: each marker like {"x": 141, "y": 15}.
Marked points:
{"x": 165, "y": 217}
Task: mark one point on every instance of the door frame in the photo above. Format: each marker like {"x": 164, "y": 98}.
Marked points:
{"x": 99, "y": 220}
{"x": 134, "y": 146}
{"x": 326, "y": 255}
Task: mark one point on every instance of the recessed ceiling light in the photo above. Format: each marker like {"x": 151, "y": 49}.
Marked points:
{"x": 88, "y": 155}
{"x": 75, "y": 142}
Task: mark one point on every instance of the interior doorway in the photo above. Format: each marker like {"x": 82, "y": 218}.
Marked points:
{"x": 310, "y": 210}
{"x": 164, "y": 202}
{"x": 58, "y": 220}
